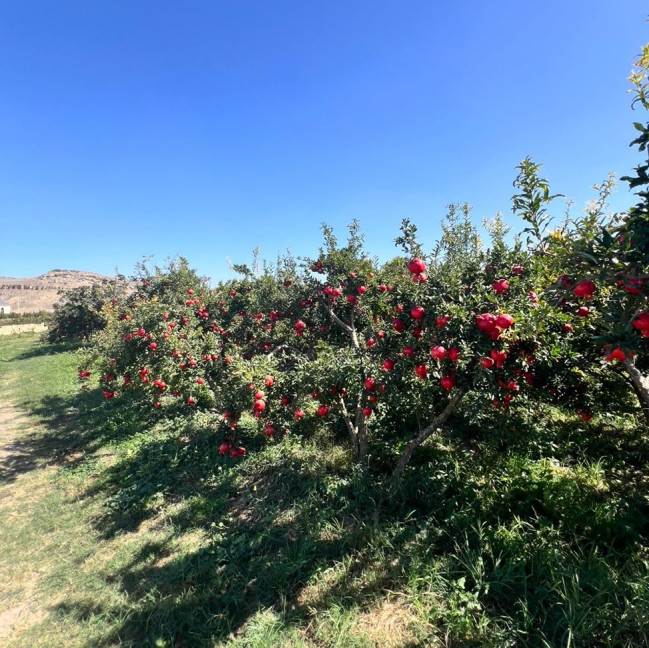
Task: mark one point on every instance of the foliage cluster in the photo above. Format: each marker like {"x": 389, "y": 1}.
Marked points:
{"x": 80, "y": 312}
{"x": 386, "y": 355}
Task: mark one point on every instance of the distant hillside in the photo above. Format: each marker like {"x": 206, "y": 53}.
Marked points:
{"x": 31, "y": 294}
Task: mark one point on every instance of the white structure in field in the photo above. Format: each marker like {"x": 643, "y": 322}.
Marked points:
{"x": 5, "y": 308}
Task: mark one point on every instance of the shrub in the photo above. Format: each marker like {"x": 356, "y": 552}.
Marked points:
{"x": 82, "y": 310}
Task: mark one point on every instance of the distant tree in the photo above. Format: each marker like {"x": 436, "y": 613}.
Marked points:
{"x": 81, "y": 310}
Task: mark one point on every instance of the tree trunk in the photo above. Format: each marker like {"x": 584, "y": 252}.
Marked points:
{"x": 216, "y": 391}
{"x": 361, "y": 434}
{"x": 640, "y": 384}
{"x": 353, "y": 431}
{"x": 436, "y": 423}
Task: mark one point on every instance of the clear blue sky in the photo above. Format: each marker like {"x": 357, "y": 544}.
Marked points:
{"x": 206, "y": 128}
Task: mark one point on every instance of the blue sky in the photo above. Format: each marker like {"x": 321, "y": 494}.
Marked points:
{"x": 205, "y": 129}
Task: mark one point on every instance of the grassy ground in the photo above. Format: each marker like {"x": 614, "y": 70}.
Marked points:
{"x": 118, "y": 532}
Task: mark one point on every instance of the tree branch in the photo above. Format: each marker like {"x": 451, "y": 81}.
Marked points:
{"x": 437, "y": 422}
{"x": 350, "y": 426}
{"x": 639, "y": 381}
{"x": 357, "y": 346}
{"x": 215, "y": 390}
{"x": 281, "y": 347}
{"x": 335, "y": 318}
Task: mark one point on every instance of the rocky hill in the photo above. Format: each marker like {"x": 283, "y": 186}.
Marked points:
{"x": 34, "y": 294}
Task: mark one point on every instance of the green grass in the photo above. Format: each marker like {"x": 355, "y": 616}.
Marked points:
{"x": 119, "y": 531}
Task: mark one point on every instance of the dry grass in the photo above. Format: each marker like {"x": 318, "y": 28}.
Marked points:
{"x": 390, "y": 624}
{"x": 17, "y": 329}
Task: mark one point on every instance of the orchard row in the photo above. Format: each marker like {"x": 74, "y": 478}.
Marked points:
{"x": 388, "y": 353}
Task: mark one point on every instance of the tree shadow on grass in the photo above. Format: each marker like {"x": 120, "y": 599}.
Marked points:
{"x": 286, "y": 530}
{"x": 47, "y": 349}
{"x": 69, "y": 428}
{"x": 270, "y": 528}
{"x": 290, "y": 528}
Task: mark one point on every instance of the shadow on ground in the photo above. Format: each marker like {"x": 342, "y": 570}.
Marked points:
{"x": 40, "y": 350}
{"x": 292, "y": 528}
{"x": 63, "y": 432}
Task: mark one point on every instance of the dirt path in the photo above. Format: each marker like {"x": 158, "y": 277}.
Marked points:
{"x": 13, "y": 453}
{"x": 14, "y": 458}
{"x": 22, "y": 328}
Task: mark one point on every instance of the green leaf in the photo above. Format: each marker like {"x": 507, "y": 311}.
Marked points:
{"x": 607, "y": 239}
{"x": 588, "y": 256}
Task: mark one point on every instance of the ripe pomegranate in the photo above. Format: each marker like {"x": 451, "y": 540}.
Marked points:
{"x": 447, "y": 382}
{"x": 585, "y": 288}
{"x": 504, "y": 321}
{"x": 439, "y": 352}
{"x": 421, "y": 371}
{"x": 417, "y": 266}
{"x": 616, "y": 354}
{"x": 498, "y": 357}
{"x": 398, "y": 325}
{"x": 641, "y": 322}
{"x": 500, "y": 286}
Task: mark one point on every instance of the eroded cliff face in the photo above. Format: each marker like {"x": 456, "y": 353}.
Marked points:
{"x": 32, "y": 294}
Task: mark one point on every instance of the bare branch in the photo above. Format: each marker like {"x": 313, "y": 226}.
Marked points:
{"x": 282, "y": 347}
{"x": 215, "y": 390}
{"x": 436, "y": 423}
{"x": 348, "y": 422}
{"x": 640, "y": 382}
{"x": 357, "y": 346}
{"x": 335, "y": 318}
